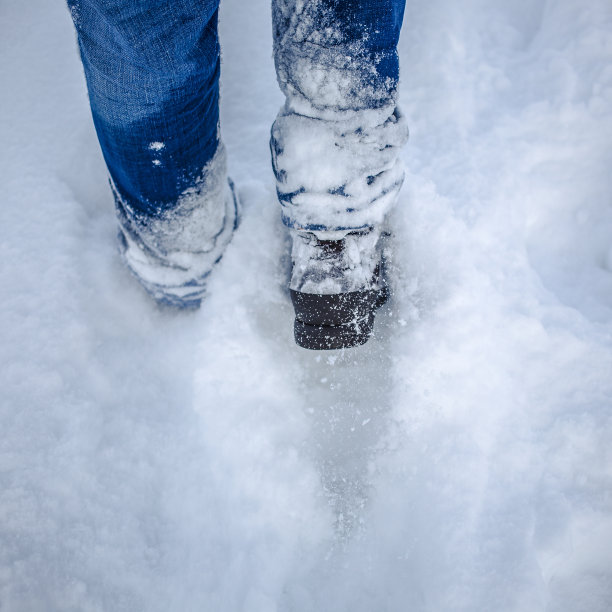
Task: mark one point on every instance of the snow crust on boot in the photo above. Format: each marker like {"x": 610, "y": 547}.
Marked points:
{"x": 172, "y": 255}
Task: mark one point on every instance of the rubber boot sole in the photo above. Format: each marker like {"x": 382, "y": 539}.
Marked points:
{"x": 340, "y": 320}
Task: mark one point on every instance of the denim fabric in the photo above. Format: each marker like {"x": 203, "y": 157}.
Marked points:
{"x": 152, "y": 70}
{"x": 337, "y": 54}
{"x": 336, "y": 141}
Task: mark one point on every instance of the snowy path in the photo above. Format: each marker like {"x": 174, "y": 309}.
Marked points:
{"x": 461, "y": 461}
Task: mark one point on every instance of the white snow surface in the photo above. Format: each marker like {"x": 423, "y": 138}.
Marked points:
{"x": 460, "y": 461}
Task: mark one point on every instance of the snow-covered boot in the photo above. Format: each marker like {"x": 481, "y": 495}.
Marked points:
{"x": 336, "y": 287}
{"x": 172, "y": 256}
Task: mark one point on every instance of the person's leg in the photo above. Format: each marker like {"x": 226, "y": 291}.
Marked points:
{"x": 152, "y": 71}
{"x": 335, "y": 147}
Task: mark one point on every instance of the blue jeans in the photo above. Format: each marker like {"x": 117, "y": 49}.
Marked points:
{"x": 152, "y": 71}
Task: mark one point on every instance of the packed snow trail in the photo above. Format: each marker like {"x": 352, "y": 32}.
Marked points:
{"x": 460, "y": 461}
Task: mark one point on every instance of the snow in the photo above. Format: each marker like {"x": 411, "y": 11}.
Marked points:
{"x": 460, "y": 461}
{"x": 173, "y": 255}
{"x": 337, "y": 174}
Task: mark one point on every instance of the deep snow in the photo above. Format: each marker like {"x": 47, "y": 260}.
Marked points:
{"x": 461, "y": 461}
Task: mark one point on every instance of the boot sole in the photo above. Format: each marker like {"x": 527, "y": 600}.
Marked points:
{"x": 341, "y": 320}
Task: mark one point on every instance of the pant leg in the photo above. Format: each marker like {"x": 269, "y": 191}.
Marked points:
{"x": 336, "y": 141}
{"x": 152, "y": 71}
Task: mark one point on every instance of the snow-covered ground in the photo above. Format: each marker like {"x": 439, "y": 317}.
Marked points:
{"x": 461, "y": 461}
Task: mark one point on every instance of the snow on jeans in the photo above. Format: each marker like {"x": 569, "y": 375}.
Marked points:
{"x": 152, "y": 71}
